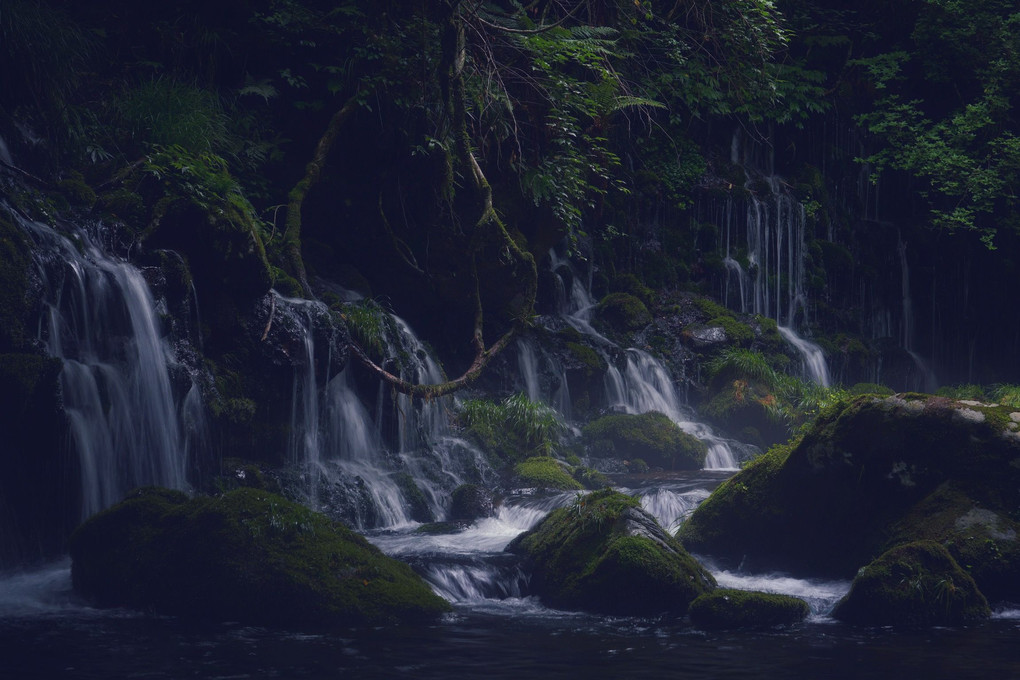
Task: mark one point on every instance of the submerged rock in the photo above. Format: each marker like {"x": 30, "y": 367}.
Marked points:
{"x": 729, "y": 608}
{"x": 917, "y": 584}
{"x": 249, "y": 556}
{"x": 869, "y": 471}
{"x": 605, "y": 554}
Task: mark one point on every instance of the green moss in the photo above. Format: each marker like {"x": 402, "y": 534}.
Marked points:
{"x": 124, "y": 204}
{"x": 711, "y": 309}
{"x": 862, "y": 469}
{"x": 248, "y": 556}
{"x": 590, "y": 478}
{"x": 632, "y": 285}
{"x": 78, "y": 192}
{"x": 747, "y": 496}
{"x": 605, "y": 554}
{"x": 870, "y": 388}
{"x": 984, "y": 542}
{"x": 545, "y": 473}
{"x": 637, "y": 466}
{"x": 737, "y": 332}
{"x": 417, "y": 503}
{"x": 728, "y": 608}
{"x": 623, "y": 312}
{"x": 917, "y": 584}
{"x": 651, "y": 436}
{"x": 236, "y": 473}
{"x": 975, "y": 392}
{"x": 593, "y": 363}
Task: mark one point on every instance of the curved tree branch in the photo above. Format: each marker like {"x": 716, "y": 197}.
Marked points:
{"x": 296, "y": 197}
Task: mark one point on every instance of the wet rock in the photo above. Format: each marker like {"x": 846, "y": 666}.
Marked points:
{"x": 605, "y": 554}
{"x": 248, "y": 556}
{"x": 870, "y": 471}
{"x": 471, "y": 502}
{"x": 727, "y": 608}
{"x": 917, "y": 584}
{"x": 650, "y": 436}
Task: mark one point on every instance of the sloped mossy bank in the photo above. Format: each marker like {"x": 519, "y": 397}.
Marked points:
{"x": 248, "y": 556}
{"x": 605, "y": 554}
{"x": 873, "y": 473}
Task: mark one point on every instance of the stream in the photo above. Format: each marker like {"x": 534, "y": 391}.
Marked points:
{"x": 496, "y": 629}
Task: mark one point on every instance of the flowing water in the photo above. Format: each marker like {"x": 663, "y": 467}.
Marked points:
{"x": 127, "y": 426}
{"x": 496, "y": 629}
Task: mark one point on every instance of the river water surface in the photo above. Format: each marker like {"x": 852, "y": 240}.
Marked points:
{"x": 496, "y": 630}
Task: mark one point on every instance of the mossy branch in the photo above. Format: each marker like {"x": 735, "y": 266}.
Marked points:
{"x": 481, "y": 360}
{"x": 296, "y": 197}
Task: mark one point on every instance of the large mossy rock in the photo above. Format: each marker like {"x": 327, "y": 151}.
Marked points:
{"x": 545, "y": 472}
{"x": 728, "y": 608}
{"x": 622, "y": 312}
{"x": 870, "y": 471}
{"x": 605, "y": 554}
{"x": 651, "y": 436}
{"x": 917, "y": 584}
{"x": 248, "y": 556}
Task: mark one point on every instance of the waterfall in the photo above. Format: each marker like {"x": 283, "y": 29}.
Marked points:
{"x": 527, "y": 365}
{"x": 388, "y": 463}
{"x": 925, "y": 378}
{"x": 5, "y": 154}
{"x": 775, "y": 228}
{"x": 101, "y": 321}
{"x": 645, "y": 385}
{"x": 815, "y": 368}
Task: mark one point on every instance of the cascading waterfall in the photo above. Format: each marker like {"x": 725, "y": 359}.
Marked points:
{"x": 925, "y": 379}
{"x": 352, "y": 464}
{"x": 644, "y": 384}
{"x": 774, "y": 284}
{"x": 101, "y": 322}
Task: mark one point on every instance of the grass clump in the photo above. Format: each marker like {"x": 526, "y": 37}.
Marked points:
{"x": 514, "y": 428}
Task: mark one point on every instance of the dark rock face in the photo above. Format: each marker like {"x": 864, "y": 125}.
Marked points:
{"x": 726, "y": 608}
{"x": 871, "y": 473}
{"x": 604, "y": 554}
{"x": 471, "y": 502}
{"x": 917, "y": 584}
{"x": 248, "y": 556}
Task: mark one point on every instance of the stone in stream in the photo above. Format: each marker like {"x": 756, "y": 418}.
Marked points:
{"x": 605, "y": 554}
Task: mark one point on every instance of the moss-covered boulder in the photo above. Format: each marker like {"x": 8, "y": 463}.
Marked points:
{"x": 870, "y": 469}
{"x": 651, "y": 436}
{"x": 545, "y": 472}
{"x": 982, "y": 539}
{"x": 728, "y": 608}
{"x": 248, "y": 555}
{"x": 622, "y": 312}
{"x": 917, "y": 584}
{"x": 605, "y": 554}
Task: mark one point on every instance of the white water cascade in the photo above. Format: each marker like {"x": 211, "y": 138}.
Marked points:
{"x": 774, "y": 283}
{"x": 380, "y": 464}
{"x": 925, "y": 379}
{"x": 101, "y": 321}
{"x": 644, "y": 384}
